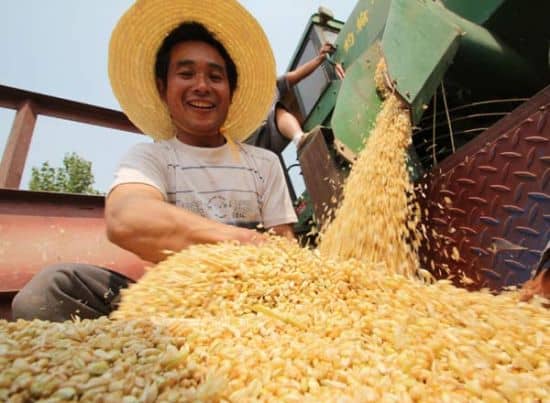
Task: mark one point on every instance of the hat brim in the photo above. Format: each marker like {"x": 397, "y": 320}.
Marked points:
{"x": 140, "y": 33}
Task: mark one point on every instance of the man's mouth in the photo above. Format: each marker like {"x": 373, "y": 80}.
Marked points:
{"x": 205, "y": 105}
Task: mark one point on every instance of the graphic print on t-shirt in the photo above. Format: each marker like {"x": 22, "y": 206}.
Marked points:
{"x": 230, "y": 206}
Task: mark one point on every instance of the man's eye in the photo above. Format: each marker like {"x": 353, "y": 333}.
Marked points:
{"x": 185, "y": 74}
{"x": 216, "y": 78}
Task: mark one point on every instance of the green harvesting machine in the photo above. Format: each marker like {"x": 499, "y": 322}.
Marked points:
{"x": 475, "y": 75}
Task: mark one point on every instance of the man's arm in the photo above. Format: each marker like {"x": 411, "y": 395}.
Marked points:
{"x": 540, "y": 283}
{"x": 301, "y": 72}
{"x": 139, "y": 220}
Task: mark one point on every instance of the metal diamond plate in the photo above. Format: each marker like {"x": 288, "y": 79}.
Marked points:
{"x": 498, "y": 219}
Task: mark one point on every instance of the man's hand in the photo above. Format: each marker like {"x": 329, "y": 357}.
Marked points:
{"x": 224, "y": 232}
{"x": 540, "y": 285}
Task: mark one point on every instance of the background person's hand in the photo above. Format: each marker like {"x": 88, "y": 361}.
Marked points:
{"x": 327, "y": 49}
{"x": 340, "y": 73}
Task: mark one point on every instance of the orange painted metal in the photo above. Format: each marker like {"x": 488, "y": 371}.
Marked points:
{"x": 38, "y": 229}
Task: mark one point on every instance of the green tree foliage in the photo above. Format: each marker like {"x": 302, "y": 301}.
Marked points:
{"x": 75, "y": 176}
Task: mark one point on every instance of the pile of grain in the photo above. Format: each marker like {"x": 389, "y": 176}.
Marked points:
{"x": 280, "y": 323}
{"x": 101, "y": 360}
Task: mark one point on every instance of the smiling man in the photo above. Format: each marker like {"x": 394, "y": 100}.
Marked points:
{"x": 197, "y": 186}
{"x": 198, "y": 88}
{"x": 196, "y": 81}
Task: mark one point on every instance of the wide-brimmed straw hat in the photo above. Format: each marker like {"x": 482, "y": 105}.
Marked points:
{"x": 140, "y": 33}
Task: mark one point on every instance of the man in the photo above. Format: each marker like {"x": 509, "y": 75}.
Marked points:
{"x": 198, "y": 87}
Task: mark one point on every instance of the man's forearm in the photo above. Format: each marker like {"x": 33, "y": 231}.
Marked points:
{"x": 149, "y": 228}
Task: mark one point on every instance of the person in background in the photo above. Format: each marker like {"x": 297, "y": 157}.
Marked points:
{"x": 281, "y": 127}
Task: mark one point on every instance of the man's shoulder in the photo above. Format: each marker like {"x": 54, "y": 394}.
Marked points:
{"x": 146, "y": 153}
{"x": 258, "y": 152}
{"x": 157, "y": 147}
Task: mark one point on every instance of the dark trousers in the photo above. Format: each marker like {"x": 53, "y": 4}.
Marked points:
{"x": 62, "y": 291}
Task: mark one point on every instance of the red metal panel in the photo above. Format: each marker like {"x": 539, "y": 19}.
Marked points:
{"x": 15, "y": 154}
{"x": 38, "y": 229}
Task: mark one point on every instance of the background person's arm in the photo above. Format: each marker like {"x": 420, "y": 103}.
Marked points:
{"x": 299, "y": 73}
{"x": 140, "y": 221}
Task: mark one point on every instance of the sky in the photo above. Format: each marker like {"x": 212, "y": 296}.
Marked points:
{"x": 59, "y": 48}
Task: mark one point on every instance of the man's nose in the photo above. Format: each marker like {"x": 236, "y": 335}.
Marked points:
{"x": 201, "y": 84}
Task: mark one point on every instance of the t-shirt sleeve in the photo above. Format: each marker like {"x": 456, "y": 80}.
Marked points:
{"x": 282, "y": 87}
{"x": 142, "y": 164}
{"x": 277, "y": 207}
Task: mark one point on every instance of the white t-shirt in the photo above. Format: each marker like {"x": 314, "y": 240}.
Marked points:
{"x": 243, "y": 188}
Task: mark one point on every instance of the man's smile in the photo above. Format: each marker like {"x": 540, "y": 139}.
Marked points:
{"x": 204, "y": 105}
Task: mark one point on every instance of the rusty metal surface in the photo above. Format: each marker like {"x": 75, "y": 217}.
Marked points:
{"x": 322, "y": 176}
{"x": 39, "y": 229}
{"x": 17, "y": 147}
{"x": 490, "y": 202}
{"x": 14, "y": 98}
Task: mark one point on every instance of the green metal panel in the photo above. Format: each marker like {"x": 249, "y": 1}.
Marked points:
{"x": 364, "y": 26}
{"x": 420, "y": 39}
{"x": 418, "y": 54}
{"x": 322, "y": 110}
{"x": 477, "y": 11}
{"x": 358, "y": 102}
{"x": 490, "y": 63}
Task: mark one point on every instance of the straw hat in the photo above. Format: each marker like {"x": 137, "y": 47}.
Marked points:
{"x": 140, "y": 33}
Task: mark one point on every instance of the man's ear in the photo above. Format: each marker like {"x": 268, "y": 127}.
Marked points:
{"x": 161, "y": 88}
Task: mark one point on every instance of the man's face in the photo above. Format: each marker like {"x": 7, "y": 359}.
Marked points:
{"x": 197, "y": 93}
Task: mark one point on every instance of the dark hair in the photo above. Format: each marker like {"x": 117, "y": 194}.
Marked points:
{"x": 192, "y": 31}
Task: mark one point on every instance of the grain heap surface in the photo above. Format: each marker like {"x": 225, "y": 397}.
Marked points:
{"x": 377, "y": 220}
{"x": 280, "y": 323}
{"x": 100, "y": 360}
